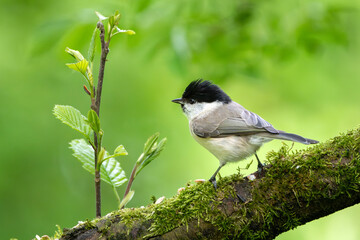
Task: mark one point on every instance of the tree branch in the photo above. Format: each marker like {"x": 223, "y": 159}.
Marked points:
{"x": 295, "y": 189}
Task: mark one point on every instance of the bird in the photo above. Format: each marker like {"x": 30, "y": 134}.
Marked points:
{"x": 225, "y": 128}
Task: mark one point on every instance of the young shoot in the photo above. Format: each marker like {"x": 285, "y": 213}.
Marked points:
{"x": 89, "y": 150}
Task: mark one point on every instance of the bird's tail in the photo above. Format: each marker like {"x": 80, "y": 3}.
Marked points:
{"x": 295, "y": 138}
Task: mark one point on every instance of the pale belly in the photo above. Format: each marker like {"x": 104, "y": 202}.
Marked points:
{"x": 230, "y": 149}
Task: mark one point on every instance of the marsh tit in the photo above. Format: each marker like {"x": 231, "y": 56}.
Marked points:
{"x": 224, "y": 127}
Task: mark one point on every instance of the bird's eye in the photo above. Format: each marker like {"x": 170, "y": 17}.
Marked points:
{"x": 191, "y": 101}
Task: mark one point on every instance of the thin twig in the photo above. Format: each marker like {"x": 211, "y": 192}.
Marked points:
{"x": 117, "y": 195}
{"x": 104, "y": 52}
{"x": 132, "y": 177}
{"x": 95, "y": 105}
{"x": 97, "y": 178}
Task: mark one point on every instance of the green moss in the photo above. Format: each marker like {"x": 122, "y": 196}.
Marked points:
{"x": 192, "y": 203}
{"x": 88, "y": 224}
{"x": 297, "y": 177}
{"x": 301, "y": 176}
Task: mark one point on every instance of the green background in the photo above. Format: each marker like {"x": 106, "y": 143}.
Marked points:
{"x": 295, "y": 63}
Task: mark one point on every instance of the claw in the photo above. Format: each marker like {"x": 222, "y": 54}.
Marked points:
{"x": 213, "y": 177}
{"x": 213, "y": 181}
{"x": 260, "y": 165}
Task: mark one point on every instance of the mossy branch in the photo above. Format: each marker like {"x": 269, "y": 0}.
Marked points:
{"x": 295, "y": 189}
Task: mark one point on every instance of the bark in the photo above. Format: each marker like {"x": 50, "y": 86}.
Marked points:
{"x": 295, "y": 188}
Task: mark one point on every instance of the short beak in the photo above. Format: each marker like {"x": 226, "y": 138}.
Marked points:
{"x": 178, "y": 100}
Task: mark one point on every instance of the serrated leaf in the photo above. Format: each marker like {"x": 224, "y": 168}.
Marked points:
{"x": 80, "y": 66}
{"x": 73, "y": 118}
{"x": 110, "y": 170}
{"x": 120, "y": 151}
{"x": 76, "y": 54}
{"x": 100, "y": 16}
{"x": 94, "y": 121}
{"x": 126, "y": 199}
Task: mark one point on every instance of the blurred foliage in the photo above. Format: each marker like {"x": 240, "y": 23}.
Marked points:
{"x": 294, "y": 63}
{"x": 245, "y": 33}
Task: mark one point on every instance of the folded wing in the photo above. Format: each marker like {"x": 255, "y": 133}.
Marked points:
{"x": 233, "y": 119}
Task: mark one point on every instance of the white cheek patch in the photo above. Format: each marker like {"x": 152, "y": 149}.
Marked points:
{"x": 193, "y": 110}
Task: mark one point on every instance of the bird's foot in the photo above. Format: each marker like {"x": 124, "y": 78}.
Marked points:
{"x": 213, "y": 181}
{"x": 260, "y": 167}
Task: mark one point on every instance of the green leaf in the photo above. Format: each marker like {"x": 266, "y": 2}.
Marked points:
{"x": 100, "y": 16}
{"x": 110, "y": 170}
{"x": 155, "y": 153}
{"x": 152, "y": 155}
{"x": 118, "y": 30}
{"x": 116, "y": 18}
{"x": 73, "y": 118}
{"x": 84, "y": 153}
{"x": 111, "y": 21}
{"x": 150, "y": 142}
{"x": 120, "y": 151}
{"x": 94, "y": 121}
{"x": 80, "y": 66}
{"x": 76, "y": 54}
{"x": 126, "y": 199}
{"x": 91, "y": 51}
{"x": 101, "y": 156}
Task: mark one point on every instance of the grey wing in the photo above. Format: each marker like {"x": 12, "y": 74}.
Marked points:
{"x": 253, "y": 120}
{"x": 241, "y": 123}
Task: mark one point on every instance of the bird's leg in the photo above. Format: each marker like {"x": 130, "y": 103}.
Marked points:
{"x": 213, "y": 177}
{"x": 260, "y": 165}
{"x": 213, "y": 181}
